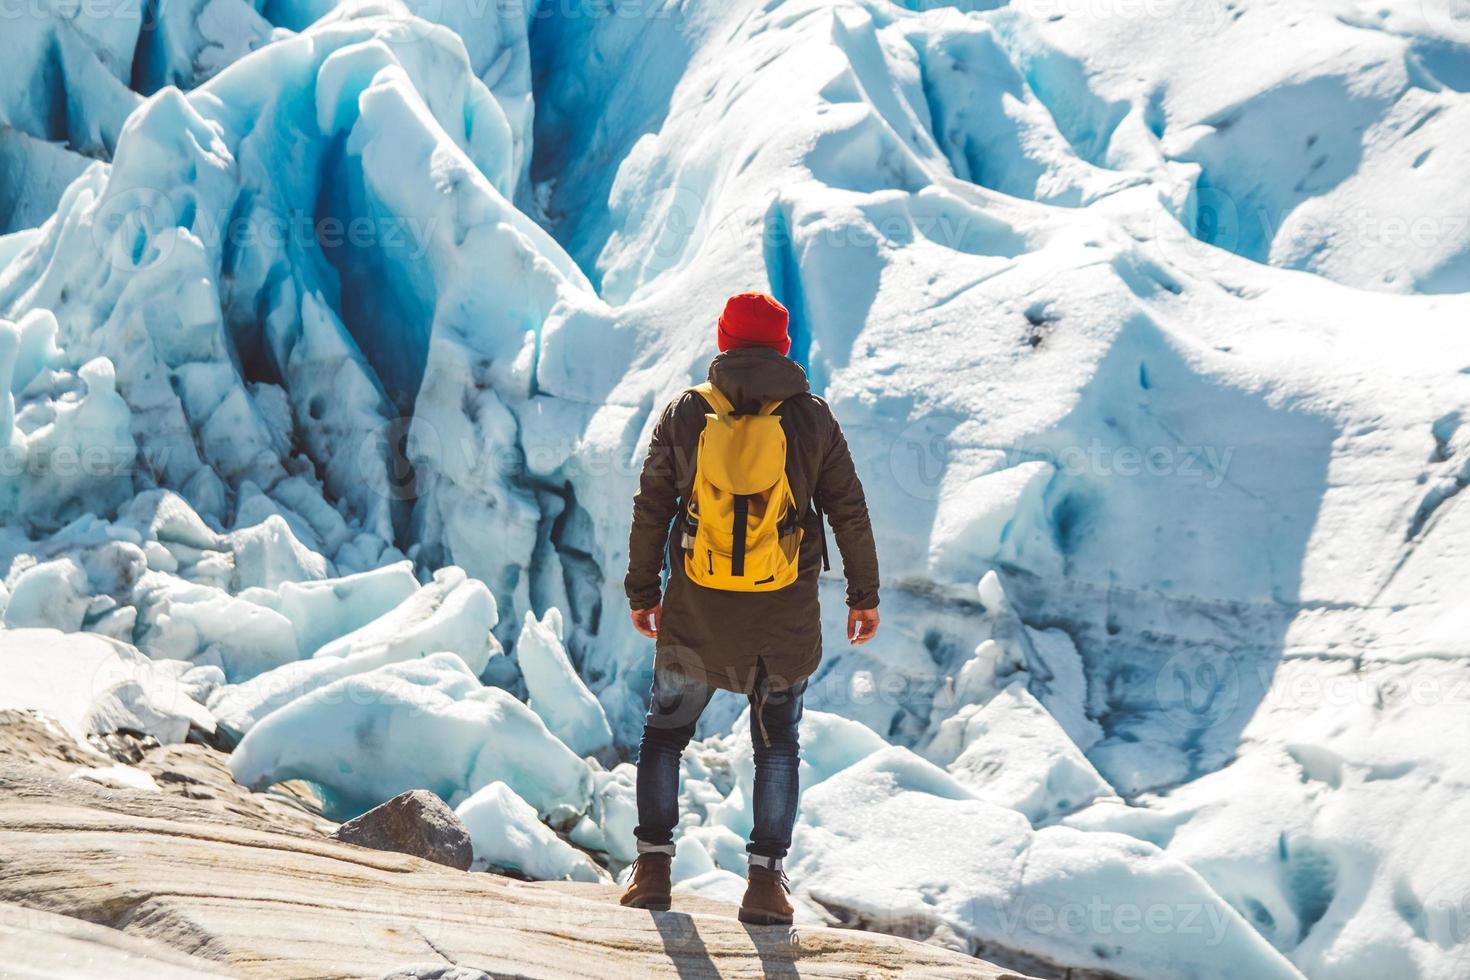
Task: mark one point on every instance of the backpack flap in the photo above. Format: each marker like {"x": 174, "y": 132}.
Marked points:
{"x": 743, "y": 454}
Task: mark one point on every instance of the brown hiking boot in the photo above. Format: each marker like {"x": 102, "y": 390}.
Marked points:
{"x": 765, "y": 901}
{"x": 649, "y": 886}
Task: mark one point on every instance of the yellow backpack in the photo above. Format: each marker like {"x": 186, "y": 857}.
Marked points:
{"x": 741, "y": 530}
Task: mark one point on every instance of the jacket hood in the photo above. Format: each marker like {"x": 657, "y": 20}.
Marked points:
{"x": 749, "y": 376}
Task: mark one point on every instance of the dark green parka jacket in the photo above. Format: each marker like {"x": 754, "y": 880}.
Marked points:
{"x": 727, "y": 639}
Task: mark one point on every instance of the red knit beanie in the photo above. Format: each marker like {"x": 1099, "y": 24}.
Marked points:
{"x": 754, "y": 320}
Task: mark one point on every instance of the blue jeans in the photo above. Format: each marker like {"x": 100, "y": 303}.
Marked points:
{"x": 674, "y": 709}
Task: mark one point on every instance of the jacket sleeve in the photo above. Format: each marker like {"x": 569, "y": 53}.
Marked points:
{"x": 840, "y": 495}
{"x": 654, "y": 507}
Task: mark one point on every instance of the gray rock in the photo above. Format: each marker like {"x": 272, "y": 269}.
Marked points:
{"x": 417, "y": 823}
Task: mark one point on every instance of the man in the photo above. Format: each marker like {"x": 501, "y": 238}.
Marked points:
{"x": 761, "y": 644}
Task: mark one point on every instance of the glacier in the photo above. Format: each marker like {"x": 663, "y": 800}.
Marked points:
{"x": 331, "y": 334}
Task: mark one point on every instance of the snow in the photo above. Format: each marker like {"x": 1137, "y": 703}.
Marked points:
{"x": 323, "y": 611}
{"x": 190, "y": 43}
{"x": 1345, "y": 778}
{"x": 450, "y": 614}
{"x": 608, "y": 825}
{"x": 86, "y": 56}
{"x": 203, "y": 623}
{"x": 331, "y": 337}
{"x": 49, "y": 594}
{"x": 557, "y": 694}
{"x": 507, "y": 833}
{"x": 268, "y": 555}
{"x": 33, "y": 174}
{"x": 420, "y": 724}
{"x": 1010, "y": 751}
{"x": 91, "y": 685}
{"x": 1095, "y": 900}
{"x": 69, "y": 450}
{"x": 117, "y": 777}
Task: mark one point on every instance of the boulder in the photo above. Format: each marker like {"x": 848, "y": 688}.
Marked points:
{"x": 417, "y": 823}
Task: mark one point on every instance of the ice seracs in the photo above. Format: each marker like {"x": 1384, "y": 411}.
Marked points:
{"x": 1012, "y": 752}
{"x": 92, "y": 685}
{"x": 450, "y": 614}
{"x": 422, "y": 724}
{"x": 555, "y": 691}
{"x": 508, "y": 834}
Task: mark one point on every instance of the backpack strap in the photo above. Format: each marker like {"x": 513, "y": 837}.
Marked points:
{"x": 714, "y": 397}
{"x": 822, "y": 530}
{"x": 722, "y": 405}
{"x": 737, "y": 547}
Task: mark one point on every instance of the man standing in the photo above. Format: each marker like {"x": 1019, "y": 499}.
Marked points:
{"x": 718, "y": 625}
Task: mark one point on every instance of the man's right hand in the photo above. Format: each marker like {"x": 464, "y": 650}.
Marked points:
{"x": 646, "y": 621}
{"x": 862, "y": 625}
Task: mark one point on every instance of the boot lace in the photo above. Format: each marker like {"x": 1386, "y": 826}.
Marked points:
{"x": 785, "y": 881}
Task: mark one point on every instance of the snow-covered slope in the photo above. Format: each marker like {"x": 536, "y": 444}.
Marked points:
{"x": 1145, "y": 324}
